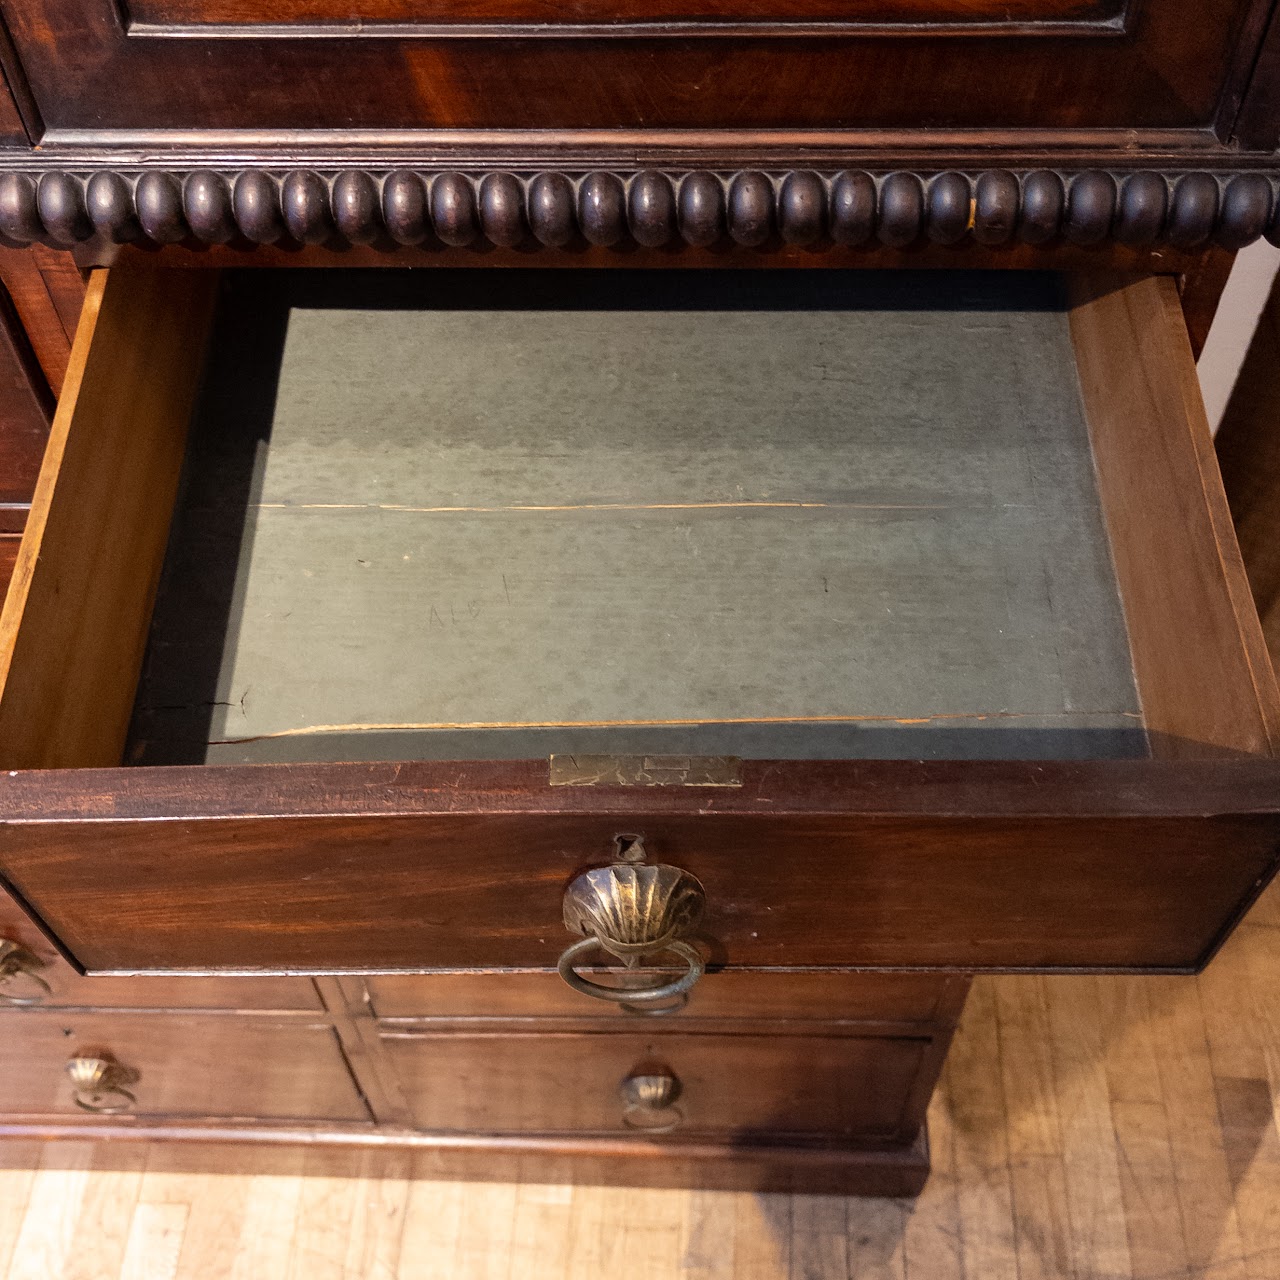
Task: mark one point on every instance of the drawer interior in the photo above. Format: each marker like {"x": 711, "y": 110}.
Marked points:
{"x": 397, "y": 515}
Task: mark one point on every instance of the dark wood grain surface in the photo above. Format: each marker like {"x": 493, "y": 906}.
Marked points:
{"x": 1258, "y": 123}
{"x": 900, "y": 998}
{"x": 869, "y": 788}
{"x": 304, "y": 16}
{"x": 12, "y": 132}
{"x": 837, "y": 1088}
{"x": 67, "y": 989}
{"x": 90, "y": 72}
{"x": 975, "y": 892}
{"x": 26, "y": 407}
{"x": 9, "y": 544}
{"x": 181, "y": 1066}
{"x": 47, "y": 292}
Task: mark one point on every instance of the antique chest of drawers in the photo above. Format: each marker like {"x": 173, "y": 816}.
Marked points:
{"x": 589, "y": 717}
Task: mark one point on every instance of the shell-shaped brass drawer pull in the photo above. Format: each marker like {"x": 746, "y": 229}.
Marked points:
{"x": 97, "y": 1084}
{"x": 649, "y": 1101}
{"x": 20, "y": 980}
{"x": 630, "y": 910}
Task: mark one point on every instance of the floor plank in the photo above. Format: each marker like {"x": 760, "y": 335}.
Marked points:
{"x": 932, "y": 1242}
{"x": 762, "y": 1237}
{"x": 708, "y": 1246}
{"x": 820, "y": 1236}
{"x": 540, "y": 1235}
{"x": 215, "y": 1206}
{"x": 432, "y": 1220}
{"x": 1036, "y": 1159}
{"x": 374, "y": 1245}
{"x": 109, "y": 1217}
{"x": 155, "y": 1242}
{"x": 1248, "y": 1104}
{"x": 1091, "y": 1166}
{"x": 972, "y": 1093}
{"x": 1206, "y": 1208}
{"x": 47, "y": 1244}
{"x": 1147, "y": 1179}
{"x": 268, "y": 1229}
{"x": 16, "y": 1179}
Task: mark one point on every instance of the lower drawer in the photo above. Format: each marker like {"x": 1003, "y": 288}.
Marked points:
{"x": 868, "y": 997}
{"x": 157, "y": 1065}
{"x": 744, "y": 1086}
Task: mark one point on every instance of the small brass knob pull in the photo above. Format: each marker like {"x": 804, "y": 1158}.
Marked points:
{"x": 98, "y": 1084}
{"x": 20, "y": 980}
{"x": 630, "y": 910}
{"x": 649, "y": 1101}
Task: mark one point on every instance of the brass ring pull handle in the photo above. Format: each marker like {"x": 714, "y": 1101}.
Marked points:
{"x": 98, "y": 1085}
{"x": 635, "y": 999}
{"x": 18, "y": 967}
{"x": 629, "y": 910}
{"x": 649, "y": 1102}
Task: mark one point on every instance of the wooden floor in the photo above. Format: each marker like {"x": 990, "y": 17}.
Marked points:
{"x": 1085, "y": 1127}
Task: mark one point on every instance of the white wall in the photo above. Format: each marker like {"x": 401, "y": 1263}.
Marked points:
{"x": 1233, "y": 324}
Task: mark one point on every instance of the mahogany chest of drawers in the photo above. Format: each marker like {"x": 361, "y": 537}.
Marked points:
{"x": 591, "y": 716}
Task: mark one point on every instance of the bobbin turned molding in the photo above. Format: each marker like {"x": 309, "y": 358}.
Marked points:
{"x": 672, "y": 209}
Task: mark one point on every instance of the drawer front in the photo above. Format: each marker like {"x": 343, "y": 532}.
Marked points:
{"x": 902, "y": 998}
{"x": 443, "y": 891}
{"x": 32, "y": 973}
{"x": 739, "y": 1085}
{"x": 176, "y": 1067}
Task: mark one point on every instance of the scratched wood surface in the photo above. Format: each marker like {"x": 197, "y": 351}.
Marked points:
{"x": 495, "y": 520}
{"x": 1086, "y": 1128}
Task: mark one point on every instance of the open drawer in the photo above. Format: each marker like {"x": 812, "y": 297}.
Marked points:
{"x": 902, "y": 611}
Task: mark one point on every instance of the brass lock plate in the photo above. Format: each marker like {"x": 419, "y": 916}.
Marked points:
{"x": 645, "y": 771}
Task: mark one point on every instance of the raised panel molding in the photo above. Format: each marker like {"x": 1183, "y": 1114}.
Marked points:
{"x": 417, "y": 19}
{"x": 652, "y": 208}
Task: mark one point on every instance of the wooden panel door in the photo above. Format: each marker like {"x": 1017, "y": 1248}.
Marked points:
{"x": 99, "y": 65}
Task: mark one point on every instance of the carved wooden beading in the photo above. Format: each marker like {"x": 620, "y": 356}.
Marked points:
{"x": 652, "y": 208}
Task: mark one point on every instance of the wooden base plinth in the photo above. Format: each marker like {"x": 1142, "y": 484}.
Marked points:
{"x": 719, "y": 1165}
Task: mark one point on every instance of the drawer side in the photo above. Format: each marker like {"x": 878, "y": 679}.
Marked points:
{"x": 75, "y": 621}
{"x": 1200, "y": 661}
